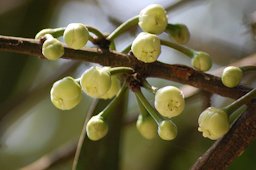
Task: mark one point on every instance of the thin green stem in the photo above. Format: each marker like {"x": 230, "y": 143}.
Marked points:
{"x": 239, "y": 102}
{"x": 127, "y": 49}
{"x": 149, "y": 87}
{"x": 117, "y": 70}
{"x": 143, "y": 110}
{"x": 113, "y": 103}
{"x": 248, "y": 68}
{"x": 58, "y": 32}
{"x": 96, "y": 32}
{"x": 185, "y": 50}
{"x": 112, "y": 45}
{"x": 123, "y": 27}
{"x": 152, "y": 111}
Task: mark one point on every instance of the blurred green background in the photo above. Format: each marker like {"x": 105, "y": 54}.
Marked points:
{"x": 30, "y": 126}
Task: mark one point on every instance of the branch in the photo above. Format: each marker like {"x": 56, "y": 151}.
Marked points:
{"x": 58, "y": 156}
{"x": 232, "y": 145}
{"x": 178, "y": 73}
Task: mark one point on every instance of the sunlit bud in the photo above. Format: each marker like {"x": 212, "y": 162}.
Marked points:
{"x": 231, "y": 76}
{"x": 213, "y": 123}
{"x": 76, "y": 35}
{"x": 153, "y": 19}
{"x": 66, "y": 93}
{"x": 146, "y": 47}
{"x": 169, "y": 101}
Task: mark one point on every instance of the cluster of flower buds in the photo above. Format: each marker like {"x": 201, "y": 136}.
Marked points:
{"x": 75, "y": 36}
{"x": 105, "y": 82}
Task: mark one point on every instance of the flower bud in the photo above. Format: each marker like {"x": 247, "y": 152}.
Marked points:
{"x": 213, "y": 123}
{"x": 169, "y": 101}
{"x": 96, "y": 81}
{"x": 114, "y": 88}
{"x": 167, "y": 130}
{"x": 146, "y": 126}
{"x": 179, "y": 32}
{"x": 96, "y": 128}
{"x": 66, "y": 93}
{"x": 52, "y": 48}
{"x": 231, "y": 76}
{"x": 76, "y": 35}
{"x": 201, "y": 61}
{"x": 146, "y": 47}
{"x": 153, "y": 19}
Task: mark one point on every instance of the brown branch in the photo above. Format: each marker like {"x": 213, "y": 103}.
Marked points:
{"x": 232, "y": 145}
{"x": 178, "y": 73}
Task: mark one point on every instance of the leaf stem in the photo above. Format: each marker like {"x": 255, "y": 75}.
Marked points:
{"x": 185, "y": 50}
{"x": 239, "y": 102}
{"x": 123, "y": 27}
{"x": 152, "y": 111}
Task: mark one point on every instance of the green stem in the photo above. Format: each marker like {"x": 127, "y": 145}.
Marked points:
{"x": 113, "y": 103}
{"x": 143, "y": 110}
{"x": 152, "y": 111}
{"x": 248, "y": 68}
{"x": 96, "y": 32}
{"x": 58, "y": 32}
{"x": 187, "y": 51}
{"x": 112, "y": 45}
{"x": 239, "y": 102}
{"x": 123, "y": 27}
{"x": 149, "y": 87}
{"x": 127, "y": 49}
{"x": 117, "y": 70}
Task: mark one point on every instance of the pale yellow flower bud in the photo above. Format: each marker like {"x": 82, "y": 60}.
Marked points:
{"x": 169, "y": 101}
{"x": 146, "y": 47}
{"x": 114, "y": 89}
{"x": 52, "y": 48}
{"x": 76, "y": 35}
{"x": 231, "y": 76}
{"x": 201, "y": 61}
{"x": 96, "y": 81}
{"x": 146, "y": 126}
{"x": 66, "y": 93}
{"x": 96, "y": 128}
{"x": 167, "y": 130}
{"x": 213, "y": 123}
{"x": 153, "y": 19}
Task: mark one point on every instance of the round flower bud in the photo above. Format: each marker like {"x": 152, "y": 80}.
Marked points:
{"x": 146, "y": 126}
{"x": 76, "y": 35}
{"x": 66, "y": 93}
{"x": 43, "y": 32}
{"x": 96, "y": 128}
{"x": 52, "y": 49}
{"x": 169, "y": 101}
{"x": 179, "y": 32}
{"x": 96, "y": 81}
{"x": 114, "y": 88}
{"x": 146, "y": 47}
{"x": 213, "y": 123}
{"x": 231, "y": 76}
{"x": 153, "y": 19}
{"x": 167, "y": 130}
{"x": 202, "y": 61}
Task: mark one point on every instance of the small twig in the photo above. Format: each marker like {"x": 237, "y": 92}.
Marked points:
{"x": 58, "y": 156}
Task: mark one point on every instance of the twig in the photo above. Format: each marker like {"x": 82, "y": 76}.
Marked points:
{"x": 178, "y": 73}
{"x": 58, "y": 156}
